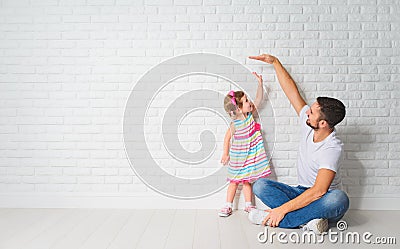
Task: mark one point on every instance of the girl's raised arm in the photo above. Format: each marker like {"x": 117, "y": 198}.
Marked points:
{"x": 260, "y": 91}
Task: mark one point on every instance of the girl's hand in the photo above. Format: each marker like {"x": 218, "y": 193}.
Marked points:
{"x": 259, "y": 78}
{"x": 265, "y": 58}
{"x": 225, "y": 159}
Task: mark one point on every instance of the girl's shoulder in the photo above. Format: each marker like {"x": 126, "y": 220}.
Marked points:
{"x": 239, "y": 124}
{"x": 249, "y": 116}
{"x": 232, "y": 127}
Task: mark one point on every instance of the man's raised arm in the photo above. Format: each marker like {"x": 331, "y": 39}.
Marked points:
{"x": 285, "y": 80}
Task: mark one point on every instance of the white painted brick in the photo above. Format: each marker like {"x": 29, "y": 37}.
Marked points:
{"x": 188, "y": 2}
{"x": 17, "y": 187}
{"x": 362, "y": 18}
{"x": 63, "y": 179}
{"x": 376, "y": 26}
{"x": 350, "y": 181}
{"x": 394, "y": 181}
{"x": 345, "y": 26}
{"x": 90, "y": 179}
{"x": 101, "y": 2}
{"x": 132, "y": 188}
{"x": 118, "y": 179}
{"x": 217, "y": 2}
{"x": 208, "y": 9}
{"x": 270, "y": 19}
{"x": 73, "y": 171}
{"x": 55, "y": 187}
{"x": 364, "y": 2}
{"x": 387, "y": 172}
{"x": 304, "y": 2}
{"x": 293, "y": 9}
{"x": 76, "y": 19}
{"x": 161, "y": 19}
{"x": 375, "y": 112}
{"x": 394, "y": 164}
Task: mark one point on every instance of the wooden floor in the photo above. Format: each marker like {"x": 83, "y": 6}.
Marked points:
{"x": 172, "y": 229}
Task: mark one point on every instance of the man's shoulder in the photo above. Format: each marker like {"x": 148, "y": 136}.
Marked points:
{"x": 302, "y": 119}
{"x": 303, "y": 110}
{"x": 335, "y": 141}
{"x": 333, "y": 144}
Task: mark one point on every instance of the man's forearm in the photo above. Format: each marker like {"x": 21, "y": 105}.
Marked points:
{"x": 285, "y": 80}
{"x": 307, "y": 197}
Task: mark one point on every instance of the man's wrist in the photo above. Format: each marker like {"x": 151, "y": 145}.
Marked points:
{"x": 284, "y": 208}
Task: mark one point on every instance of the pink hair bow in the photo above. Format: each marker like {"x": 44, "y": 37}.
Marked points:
{"x": 232, "y": 93}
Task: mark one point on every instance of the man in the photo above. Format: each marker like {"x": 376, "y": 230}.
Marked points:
{"x": 317, "y": 199}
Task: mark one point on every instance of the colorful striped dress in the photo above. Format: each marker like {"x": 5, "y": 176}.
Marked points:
{"x": 248, "y": 160}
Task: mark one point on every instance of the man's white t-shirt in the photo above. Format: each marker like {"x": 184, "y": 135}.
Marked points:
{"x": 326, "y": 154}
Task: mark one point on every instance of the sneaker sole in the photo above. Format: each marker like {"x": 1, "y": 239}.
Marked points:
{"x": 223, "y": 215}
{"x": 322, "y": 226}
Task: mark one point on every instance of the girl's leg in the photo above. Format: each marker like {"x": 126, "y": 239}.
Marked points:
{"x": 231, "y": 192}
{"x": 247, "y": 192}
{"x": 227, "y": 209}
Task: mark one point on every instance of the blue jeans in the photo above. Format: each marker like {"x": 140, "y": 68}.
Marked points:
{"x": 332, "y": 206}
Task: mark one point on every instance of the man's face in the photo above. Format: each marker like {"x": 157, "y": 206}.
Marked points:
{"x": 314, "y": 116}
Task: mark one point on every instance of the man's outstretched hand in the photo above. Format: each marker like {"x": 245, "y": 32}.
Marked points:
{"x": 270, "y": 59}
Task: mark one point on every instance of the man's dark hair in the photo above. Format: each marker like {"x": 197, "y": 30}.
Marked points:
{"x": 332, "y": 110}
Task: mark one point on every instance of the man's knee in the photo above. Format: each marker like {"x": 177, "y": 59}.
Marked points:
{"x": 261, "y": 185}
{"x": 338, "y": 199}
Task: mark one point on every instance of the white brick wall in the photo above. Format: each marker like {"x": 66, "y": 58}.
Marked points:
{"x": 67, "y": 69}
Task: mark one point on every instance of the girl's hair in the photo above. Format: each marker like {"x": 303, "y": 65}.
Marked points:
{"x": 232, "y": 103}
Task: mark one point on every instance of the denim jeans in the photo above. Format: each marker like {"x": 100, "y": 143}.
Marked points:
{"x": 332, "y": 206}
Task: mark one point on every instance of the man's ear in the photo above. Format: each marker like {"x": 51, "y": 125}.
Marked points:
{"x": 323, "y": 124}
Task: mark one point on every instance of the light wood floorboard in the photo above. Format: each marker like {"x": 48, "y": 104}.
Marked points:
{"x": 165, "y": 229}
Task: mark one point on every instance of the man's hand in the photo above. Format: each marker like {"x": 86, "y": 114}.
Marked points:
{"x": 225, "y": 159}
{"x": 259, "y": 77}
{"x": 285, "y": 80}
{"x": 265, "y": 58}
{"x": 274, "y": 217}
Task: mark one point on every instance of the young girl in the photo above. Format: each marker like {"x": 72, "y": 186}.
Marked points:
{"x": 246, "y": 155}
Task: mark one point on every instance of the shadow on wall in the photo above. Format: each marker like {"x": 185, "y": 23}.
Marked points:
{"x": 269, "y": 134}
{"x": 358, "y": 144}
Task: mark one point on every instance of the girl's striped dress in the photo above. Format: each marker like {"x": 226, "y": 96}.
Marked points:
{"x": 248, "y": 160}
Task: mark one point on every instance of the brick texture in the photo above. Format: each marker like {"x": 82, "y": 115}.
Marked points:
{"x": 68, "y": 67}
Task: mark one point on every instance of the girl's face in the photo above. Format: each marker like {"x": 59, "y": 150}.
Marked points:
{"x": 247, "y": 106}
